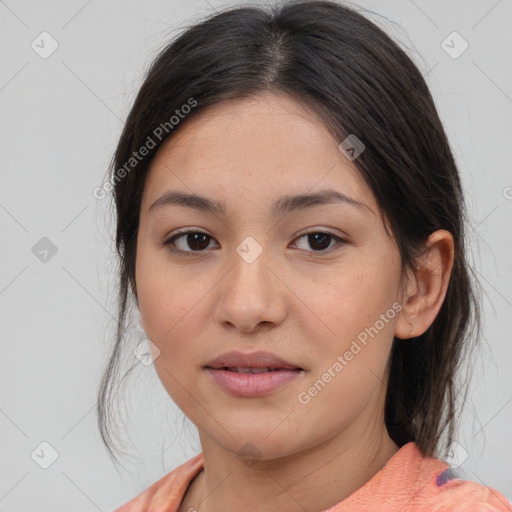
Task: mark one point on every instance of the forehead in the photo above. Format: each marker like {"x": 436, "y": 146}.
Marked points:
{"x": 253, "y": 148}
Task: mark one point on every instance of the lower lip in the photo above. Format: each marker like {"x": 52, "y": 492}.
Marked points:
{"x": 252, "y": 384}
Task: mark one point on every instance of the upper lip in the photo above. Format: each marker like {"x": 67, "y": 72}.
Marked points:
{"x": 250, "y": 360}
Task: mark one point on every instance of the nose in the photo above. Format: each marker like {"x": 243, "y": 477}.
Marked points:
{"x": 252, "y": 297}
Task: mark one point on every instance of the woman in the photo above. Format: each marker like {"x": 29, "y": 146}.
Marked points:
{"x": 290, "y": 223}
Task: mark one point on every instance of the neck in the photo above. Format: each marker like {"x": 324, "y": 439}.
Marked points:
{"x": 315, "y": 479}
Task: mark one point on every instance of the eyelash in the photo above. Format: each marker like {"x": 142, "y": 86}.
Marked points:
{"x": 168, "y": 243}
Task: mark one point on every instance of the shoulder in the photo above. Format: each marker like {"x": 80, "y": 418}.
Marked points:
{"x": 439, "y": 488}
{"x": 166, "y": 494}
{"x": 413, "y": 482}
{"x": 452, "y": 494}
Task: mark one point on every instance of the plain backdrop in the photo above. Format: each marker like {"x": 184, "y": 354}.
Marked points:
{"x": 61, "y": 115}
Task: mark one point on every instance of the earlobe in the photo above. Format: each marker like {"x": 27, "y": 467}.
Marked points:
{"x": 426, "y": 288}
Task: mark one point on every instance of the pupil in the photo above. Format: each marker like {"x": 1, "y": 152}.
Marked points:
{"x": 192, "y": 239}
{"x": 316, "y": 237}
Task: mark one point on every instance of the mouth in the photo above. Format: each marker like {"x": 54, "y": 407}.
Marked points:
{"x": 252, "y": 375}
{"x": 249, "y": 369}
{"x": 248, "y": 382}
{"x": 251, "y": 362}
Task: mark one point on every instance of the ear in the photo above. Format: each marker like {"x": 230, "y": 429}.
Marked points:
{"x": 426, "y": 288}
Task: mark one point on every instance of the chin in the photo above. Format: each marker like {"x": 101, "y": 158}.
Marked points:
{"x": 257, "y": 444}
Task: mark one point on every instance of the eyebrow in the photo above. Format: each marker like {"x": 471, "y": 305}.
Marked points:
{"x": 282, "y": 206}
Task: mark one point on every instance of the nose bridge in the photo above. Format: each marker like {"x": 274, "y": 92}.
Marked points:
{"x": 250, "y": 296}
{"x": 251, "y": 260}
{"x": 250, "y": 250}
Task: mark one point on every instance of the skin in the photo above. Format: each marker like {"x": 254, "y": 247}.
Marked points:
{"x": 303, "y": 302}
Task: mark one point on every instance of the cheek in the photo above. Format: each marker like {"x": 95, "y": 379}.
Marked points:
{"x": 176, "y": 307}
{"x": 170, "y": 309}
{"x": 165, "y": 295}
{"x": 350, "y": 363}
{"x": 347, "y": 303}
{"x": 160, "y": 306}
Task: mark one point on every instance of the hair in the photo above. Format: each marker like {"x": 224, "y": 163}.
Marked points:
{"x": 358, "y": 81}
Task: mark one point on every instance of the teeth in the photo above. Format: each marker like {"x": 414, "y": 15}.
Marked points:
{"x": 260, "y": 370}
{"x": 240, "y": 369}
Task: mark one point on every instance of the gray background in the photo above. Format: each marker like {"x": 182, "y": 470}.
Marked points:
{"x": 60, "y": 120}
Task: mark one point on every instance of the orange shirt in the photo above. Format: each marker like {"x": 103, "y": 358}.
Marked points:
{"x": 408, "y": 482}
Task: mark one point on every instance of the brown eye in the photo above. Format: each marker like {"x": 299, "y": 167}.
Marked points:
{"x": 193, "y": 241}
{"x": 320, "y": 241}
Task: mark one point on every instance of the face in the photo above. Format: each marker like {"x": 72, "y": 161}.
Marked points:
{"x": 317, "y": 285}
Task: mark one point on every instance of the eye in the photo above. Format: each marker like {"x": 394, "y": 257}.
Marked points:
{"x": 199, "y": 241}
{"x": 320, "y": 240}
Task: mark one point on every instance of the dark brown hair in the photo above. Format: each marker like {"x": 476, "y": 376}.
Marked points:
{"x": 358, "y": 81}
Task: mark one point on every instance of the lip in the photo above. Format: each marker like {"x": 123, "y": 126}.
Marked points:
{"x": 251, "y": 360}
{"x": 252, "y": 385}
